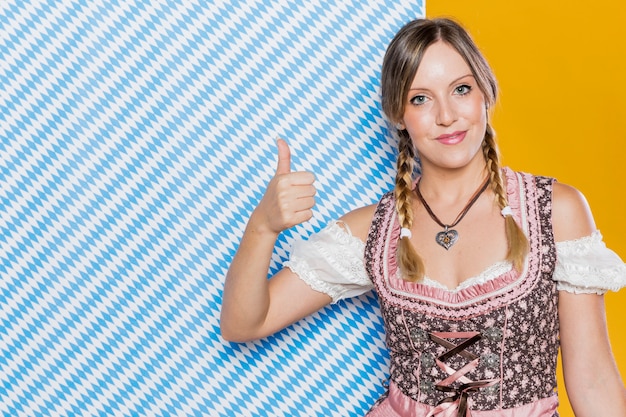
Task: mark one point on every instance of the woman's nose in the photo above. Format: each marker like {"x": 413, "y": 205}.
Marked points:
{"x": 446, "y": 113}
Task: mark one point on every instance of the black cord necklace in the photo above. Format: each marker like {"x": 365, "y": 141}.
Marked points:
{"x": 449, "y": 236}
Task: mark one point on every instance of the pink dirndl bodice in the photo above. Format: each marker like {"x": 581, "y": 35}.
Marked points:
{"x": 486, "y": 350}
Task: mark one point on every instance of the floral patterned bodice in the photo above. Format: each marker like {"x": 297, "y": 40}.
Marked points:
{"x": 491, "y": 345}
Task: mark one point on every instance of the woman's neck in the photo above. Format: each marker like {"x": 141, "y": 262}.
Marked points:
{"x": 450, "y": 186}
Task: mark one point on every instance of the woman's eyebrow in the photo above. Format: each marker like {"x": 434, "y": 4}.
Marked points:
{"x": 456, "y": 80}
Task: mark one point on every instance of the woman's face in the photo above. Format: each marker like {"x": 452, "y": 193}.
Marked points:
{"x": 445, "y": 113}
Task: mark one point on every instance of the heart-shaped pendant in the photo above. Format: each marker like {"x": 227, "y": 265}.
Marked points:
{"x": 447, "y": 238}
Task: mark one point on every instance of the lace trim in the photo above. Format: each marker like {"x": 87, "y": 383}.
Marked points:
{"x": 301, "y": 268}
{"x": 577, "y": 289}
{"x": 580, "y": 245}
{"x": 492, "y": 272}
{"x": 587, "y": 266}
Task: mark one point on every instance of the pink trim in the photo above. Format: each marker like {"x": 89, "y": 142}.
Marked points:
{"x": 513, "y": 194}
{"x": 454, "y": 297}
{"x": 399, "y": 405}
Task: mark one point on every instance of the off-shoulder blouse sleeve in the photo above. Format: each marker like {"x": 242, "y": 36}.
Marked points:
{"x": 587, "y": 266}
{"x": 331, "y": 261}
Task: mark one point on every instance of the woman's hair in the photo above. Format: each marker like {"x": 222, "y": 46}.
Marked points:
{"x": 400, "y": 65}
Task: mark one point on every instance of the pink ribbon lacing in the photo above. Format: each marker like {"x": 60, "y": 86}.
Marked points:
{"x": 458, "y": 403}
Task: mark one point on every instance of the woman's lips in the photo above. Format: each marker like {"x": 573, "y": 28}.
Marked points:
{"x": 452, "y": 138}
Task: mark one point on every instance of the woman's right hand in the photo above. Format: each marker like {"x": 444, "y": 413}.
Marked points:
{"x": 289, "y": 197}
{"x": 253, "y": 306}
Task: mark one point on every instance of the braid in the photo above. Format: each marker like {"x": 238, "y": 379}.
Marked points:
{"x": 490, "y": 150}
{"x": 410, "y": 263}
{"x": 517, "y": 241}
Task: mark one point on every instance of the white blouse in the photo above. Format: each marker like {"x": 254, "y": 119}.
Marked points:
{"x": 331, "y": 261}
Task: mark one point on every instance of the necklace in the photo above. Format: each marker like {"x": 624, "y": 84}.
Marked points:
{"x": 449, "y": 236}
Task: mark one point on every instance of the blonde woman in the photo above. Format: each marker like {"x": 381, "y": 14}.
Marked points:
{"x": 482, "y": 273}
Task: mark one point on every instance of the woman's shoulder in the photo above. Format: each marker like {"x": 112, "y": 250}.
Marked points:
{"x": 571, "y": 214}
{"x": 358, "y": 221}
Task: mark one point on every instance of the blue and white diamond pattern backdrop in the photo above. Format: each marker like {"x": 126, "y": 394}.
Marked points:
{"x": 135, "y": 139}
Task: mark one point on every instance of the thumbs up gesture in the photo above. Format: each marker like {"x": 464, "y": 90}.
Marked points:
{"x": 290, "y": 196}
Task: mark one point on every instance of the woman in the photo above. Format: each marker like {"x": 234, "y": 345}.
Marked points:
{"x": 481, "y": 272}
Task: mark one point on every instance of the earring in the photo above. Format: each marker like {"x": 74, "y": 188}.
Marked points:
{"x": 399, "y": 126}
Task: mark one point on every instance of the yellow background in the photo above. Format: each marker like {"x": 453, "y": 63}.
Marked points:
{"x": 561, "y": 67}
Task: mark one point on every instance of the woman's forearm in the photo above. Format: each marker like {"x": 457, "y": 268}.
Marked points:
{"x": 245, "y": 301}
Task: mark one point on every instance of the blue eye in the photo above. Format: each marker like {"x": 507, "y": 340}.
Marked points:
{"x": 462, "y": 89}
{"x": 418, "y": 100}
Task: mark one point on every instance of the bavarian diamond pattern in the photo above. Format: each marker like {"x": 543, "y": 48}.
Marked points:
{"x": 135, "y": 139}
